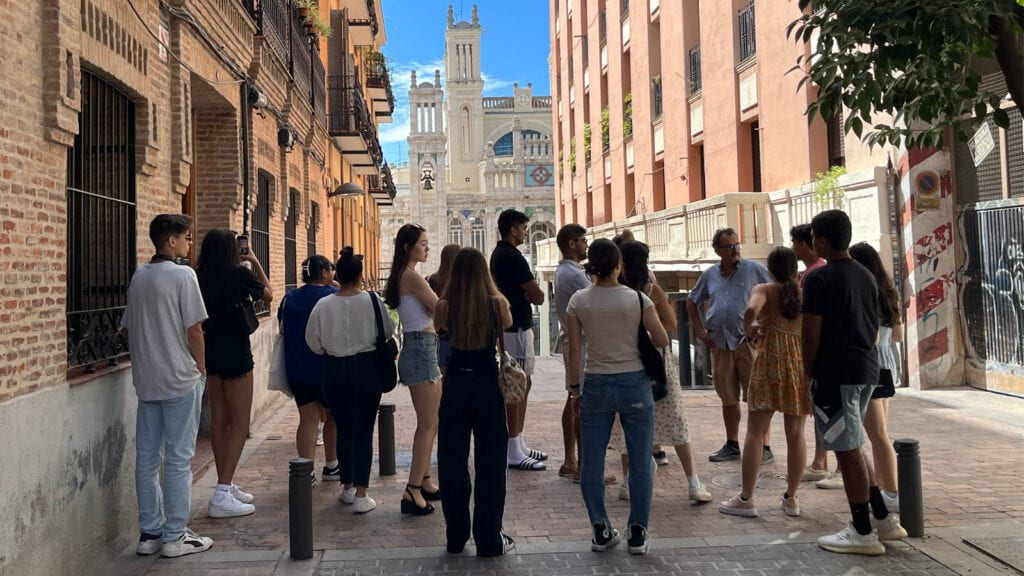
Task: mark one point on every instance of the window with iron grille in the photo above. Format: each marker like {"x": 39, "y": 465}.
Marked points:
{"x": 602, "y": 26}
{"x": 314, "y": 215}
{"x": 656, "y": 97}
{"x": 290, "y": 249}
{"x": 586, "y": 52}
{"x": 836, "y": 141}
{"x": 695, "y": 72}
{"x": 100, "y": 225}
{"x": 748, "y": 39}
{"x": 259, "y": 230}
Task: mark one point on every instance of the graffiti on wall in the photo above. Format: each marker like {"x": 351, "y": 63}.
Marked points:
{"x": 992, "y": 298}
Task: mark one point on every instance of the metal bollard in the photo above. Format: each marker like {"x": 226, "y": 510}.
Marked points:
{"x": 908, "y": 467}
{"x": 386, "y": 439}
{"x": 300, "y": 508}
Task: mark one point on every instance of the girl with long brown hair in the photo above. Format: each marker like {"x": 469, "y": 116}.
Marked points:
{"x": 474, "y": 313}
{"x": 437, "y": 281}
{"x": 772, "y": 320}
{"x": 408, "y": 292}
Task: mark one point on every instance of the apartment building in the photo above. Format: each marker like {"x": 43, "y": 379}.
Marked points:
{"x": 115, "y": 111}
{"x": 674, "y": 119}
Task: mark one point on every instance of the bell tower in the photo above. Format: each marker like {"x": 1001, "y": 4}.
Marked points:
{"x": 464, "y": 107}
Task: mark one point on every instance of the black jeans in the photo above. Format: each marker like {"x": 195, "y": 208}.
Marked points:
{"x": 351, "y": 388}
{"x": 471, "y": 403}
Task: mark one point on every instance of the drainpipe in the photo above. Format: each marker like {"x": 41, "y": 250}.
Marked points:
{"x": 246, "y": 113}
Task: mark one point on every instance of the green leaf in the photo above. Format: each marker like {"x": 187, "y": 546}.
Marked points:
{"x": 980, "y": 110}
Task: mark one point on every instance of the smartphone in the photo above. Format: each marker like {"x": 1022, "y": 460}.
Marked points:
{"x": 243, "y": 244}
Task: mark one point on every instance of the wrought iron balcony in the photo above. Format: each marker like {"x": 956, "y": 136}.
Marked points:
{"x": 272, "y": 20}
{"x": 382, "y": 188}
{"x": 695, "y": 71}
{"x": 378, "y": 83}
{"x": 349, "y": 123}
{"x": 299, "y": 52}
{"x": 318, "y": 90}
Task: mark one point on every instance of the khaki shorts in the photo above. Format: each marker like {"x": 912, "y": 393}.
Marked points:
{"x": 731, "y": 373}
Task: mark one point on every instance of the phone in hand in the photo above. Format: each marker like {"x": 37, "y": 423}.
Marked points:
{"x": 243, "y": 244}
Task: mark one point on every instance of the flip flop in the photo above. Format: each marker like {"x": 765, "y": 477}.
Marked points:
{"x": 528, "y": 464}
{"x": 537, "y": 455}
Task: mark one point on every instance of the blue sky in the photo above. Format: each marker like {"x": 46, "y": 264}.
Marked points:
{"x": 514, "y": 46}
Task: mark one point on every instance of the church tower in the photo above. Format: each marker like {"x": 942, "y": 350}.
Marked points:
{"x": 427, "y": 159}
{"x": 465, "y": 113}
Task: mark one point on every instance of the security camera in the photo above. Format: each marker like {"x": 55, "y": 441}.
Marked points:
{"x": 286, "y": 137}
{"x": 257, "y": 99}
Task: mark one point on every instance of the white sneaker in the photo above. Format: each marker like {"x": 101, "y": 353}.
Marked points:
{"x": 624, "y": 491}
{"x": 739, "y": 507}
{"x": 889, "y": 528}
{"x": 833, "y": 482}
{"x": 148, "y": 544}
{"x": 892, "y": 502}
{"x": 188, "y": 543}
{"x": 348, "y": 495}
{"x": 241, "y": 495}
{"x": 363, "y": 504}
{"x": 225, "y": 505}
{"x": 699, "y": 493}
{"x": 790, "y": 506}
{"x": 849, "y": 541}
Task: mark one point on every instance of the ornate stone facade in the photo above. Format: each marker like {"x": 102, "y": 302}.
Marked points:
{"x": 470, "y": 156}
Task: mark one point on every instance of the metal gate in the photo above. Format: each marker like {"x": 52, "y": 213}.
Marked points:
{"x": 992, "y": 289}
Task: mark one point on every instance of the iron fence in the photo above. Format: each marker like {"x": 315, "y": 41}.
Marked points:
{"x": 272, "y": 18}
{"x": 101, "y": 215}
{"x": 299, "y": 53}
{"x": 658, "y": 104}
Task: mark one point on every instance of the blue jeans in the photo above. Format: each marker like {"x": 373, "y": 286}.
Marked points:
{"x": 167, "y": 426}
{"x": 629, "y": 395}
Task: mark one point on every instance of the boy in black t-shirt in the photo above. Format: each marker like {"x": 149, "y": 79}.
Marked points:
{"x": 840, "y": 328}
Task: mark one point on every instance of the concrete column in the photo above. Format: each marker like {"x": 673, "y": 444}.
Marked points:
{"x": 934, "y": 353}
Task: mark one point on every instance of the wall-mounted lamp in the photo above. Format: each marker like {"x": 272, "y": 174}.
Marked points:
{"x": 347, "y": 190}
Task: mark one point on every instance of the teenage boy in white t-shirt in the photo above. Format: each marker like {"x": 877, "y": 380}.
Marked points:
{"x": 164, "y": 318}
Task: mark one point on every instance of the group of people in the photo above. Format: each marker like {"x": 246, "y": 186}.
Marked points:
{"x": 780, "y": 342}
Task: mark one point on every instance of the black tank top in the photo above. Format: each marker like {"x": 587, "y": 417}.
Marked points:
{"x": 481, "y": 360}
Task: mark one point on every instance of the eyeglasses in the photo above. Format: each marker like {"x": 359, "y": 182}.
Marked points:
{"x": 730, "y": 247}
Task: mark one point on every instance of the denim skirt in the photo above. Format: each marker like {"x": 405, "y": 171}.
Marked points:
{"x": 417, "y": 362}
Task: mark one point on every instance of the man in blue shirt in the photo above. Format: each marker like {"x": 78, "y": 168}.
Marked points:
{"x": 725, "y": 289}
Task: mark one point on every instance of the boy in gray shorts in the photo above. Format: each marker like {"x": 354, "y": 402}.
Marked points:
{"x": 840, "y": 328}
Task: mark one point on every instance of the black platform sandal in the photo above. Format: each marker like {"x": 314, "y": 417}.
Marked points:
{"x": 410, "y": 507}
{"x": 431, "y": 496}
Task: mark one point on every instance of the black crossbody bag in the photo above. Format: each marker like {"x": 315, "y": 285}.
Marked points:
{"x": 654, "y": 362}
{"x": 386, "y": 350}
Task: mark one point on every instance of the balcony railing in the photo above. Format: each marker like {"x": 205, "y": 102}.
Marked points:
{"x": 499, "y": 102}
{"x": 347, "y": 108}
{"x": 378, "y": 81}
{"x": 748, "y": 37}
{"x": 695, "y": 71}
{"x": 541, "y": 102}
{"x": 318, "y": 90}
{"x": 299, "y": 47}
{"x": 657, "y": 102}
{"x": 272, "y": 23}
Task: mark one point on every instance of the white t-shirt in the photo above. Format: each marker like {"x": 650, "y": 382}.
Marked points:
{"x": 610, "y": 317}
{"x": 163, "y": 302}
{"x": 342, "y": 326}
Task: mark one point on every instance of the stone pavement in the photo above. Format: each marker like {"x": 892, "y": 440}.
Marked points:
{"x": 972, "y": 446}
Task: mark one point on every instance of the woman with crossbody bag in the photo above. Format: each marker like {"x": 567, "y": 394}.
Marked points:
{"x": 343, "y": 328}
{"x": 615, "y": 383}
{"x": 473, "y": 313}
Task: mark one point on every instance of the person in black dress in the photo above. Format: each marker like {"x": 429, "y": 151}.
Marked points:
{"x": 228, "y": 281}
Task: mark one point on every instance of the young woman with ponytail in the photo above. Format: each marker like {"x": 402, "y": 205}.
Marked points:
{"x": 777, "y": 384}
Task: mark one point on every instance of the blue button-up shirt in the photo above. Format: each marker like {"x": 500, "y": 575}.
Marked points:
{"x": 726, "y": 298}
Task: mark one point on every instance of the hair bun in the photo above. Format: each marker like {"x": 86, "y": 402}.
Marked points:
{"x": 348, "y": 253}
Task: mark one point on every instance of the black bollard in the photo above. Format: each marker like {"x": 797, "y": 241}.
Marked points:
{"x": 386, "y": 439}
{"x": 908, "y": 467}
{"x": 300, "y": 508}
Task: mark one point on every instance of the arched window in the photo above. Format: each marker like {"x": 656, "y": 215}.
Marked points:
{"x": 538, "y": 231}
{"x": 467, "y": 145}
{"x": 478, "y": 235}
{"x": 455, "y": 232}
{"x": 503, "y": 147}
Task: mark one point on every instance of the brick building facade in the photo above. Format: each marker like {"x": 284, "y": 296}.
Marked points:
{"x": 115, "y": 111}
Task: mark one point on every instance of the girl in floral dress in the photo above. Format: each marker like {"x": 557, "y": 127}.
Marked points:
{"x": 777, "y": 384}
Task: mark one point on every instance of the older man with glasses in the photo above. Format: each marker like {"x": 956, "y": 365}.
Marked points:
{"x": 724, "y": 290}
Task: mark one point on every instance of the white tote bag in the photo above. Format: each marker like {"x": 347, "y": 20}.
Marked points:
{"x": 278, "y": 374}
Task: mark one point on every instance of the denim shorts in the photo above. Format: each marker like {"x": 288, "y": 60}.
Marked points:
{"x": 417, "y": 362}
